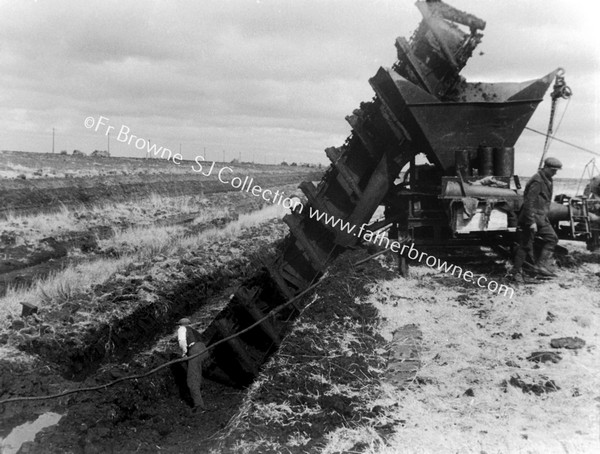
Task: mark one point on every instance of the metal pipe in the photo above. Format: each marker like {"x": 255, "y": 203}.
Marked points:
{"x": 560, "y": 212}
{"x": 453, "y": 190}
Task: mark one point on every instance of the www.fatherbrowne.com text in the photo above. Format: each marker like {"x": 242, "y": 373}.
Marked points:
{"x": 295, "y": 204}
{"x": 225, "y": 176}
{"x": 408, "y": 250}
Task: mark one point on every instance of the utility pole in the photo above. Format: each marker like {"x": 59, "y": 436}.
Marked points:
{"x": 52, "y": 140}
{"x": 108, "y": 143}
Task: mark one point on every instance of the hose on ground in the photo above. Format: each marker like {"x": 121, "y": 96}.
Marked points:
{"x": 170, "y": 363}
{"x": 180, "y": 360}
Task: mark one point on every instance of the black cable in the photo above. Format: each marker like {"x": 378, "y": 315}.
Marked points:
{"x": 564, "y": 141}
{"x": 179, "y": 360}
{"x": 162, "y": 366}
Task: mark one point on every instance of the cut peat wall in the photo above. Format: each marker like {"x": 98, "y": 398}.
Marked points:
{"x": 45, "y": 195}
{"x": 81, "y": 354}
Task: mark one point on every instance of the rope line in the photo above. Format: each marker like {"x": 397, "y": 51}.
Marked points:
{"x": 170, "y": 363}
{"x": 565, "y": 142}
{"x": 180, "y": 360}
{"x": 562, "y": 116}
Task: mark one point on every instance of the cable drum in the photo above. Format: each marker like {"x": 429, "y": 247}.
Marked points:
{"x": 566, "y": 92}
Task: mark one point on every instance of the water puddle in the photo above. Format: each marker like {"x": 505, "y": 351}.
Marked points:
{"x": 27, "y": 432}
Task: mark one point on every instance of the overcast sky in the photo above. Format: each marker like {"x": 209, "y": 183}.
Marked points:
{"x": 265, "y": 80}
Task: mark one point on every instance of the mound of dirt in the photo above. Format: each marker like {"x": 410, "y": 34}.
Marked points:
{"x": 322, "y": 375}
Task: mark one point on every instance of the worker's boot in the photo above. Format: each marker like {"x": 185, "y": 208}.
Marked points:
{"x": 542, "y": 266}
{"x": 515, "y": 276}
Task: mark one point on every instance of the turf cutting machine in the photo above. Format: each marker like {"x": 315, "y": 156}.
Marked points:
{"x": 436, "y": 151}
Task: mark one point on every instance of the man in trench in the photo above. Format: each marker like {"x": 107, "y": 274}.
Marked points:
{"x": 533, "y": 219}
{"x": 190, "y": 344}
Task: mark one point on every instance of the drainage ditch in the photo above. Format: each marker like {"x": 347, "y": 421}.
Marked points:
{"x": 80, "y": 355}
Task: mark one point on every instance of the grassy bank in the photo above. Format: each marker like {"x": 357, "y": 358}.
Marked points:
{"x": 137, "y": 244}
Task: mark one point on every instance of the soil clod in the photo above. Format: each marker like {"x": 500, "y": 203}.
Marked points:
{"x": 28, "y": 309}
{"x": 543, "y": 387}
{"x": 544, "y": 357}
{"x": 567, "y": 342}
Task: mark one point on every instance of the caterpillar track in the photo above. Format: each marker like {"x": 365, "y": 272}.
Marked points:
{"x": 387, "y": 133}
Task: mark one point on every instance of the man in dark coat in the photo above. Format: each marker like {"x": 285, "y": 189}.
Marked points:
{"x": 533, "y": 219}
{"x": 190, "y": 344}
